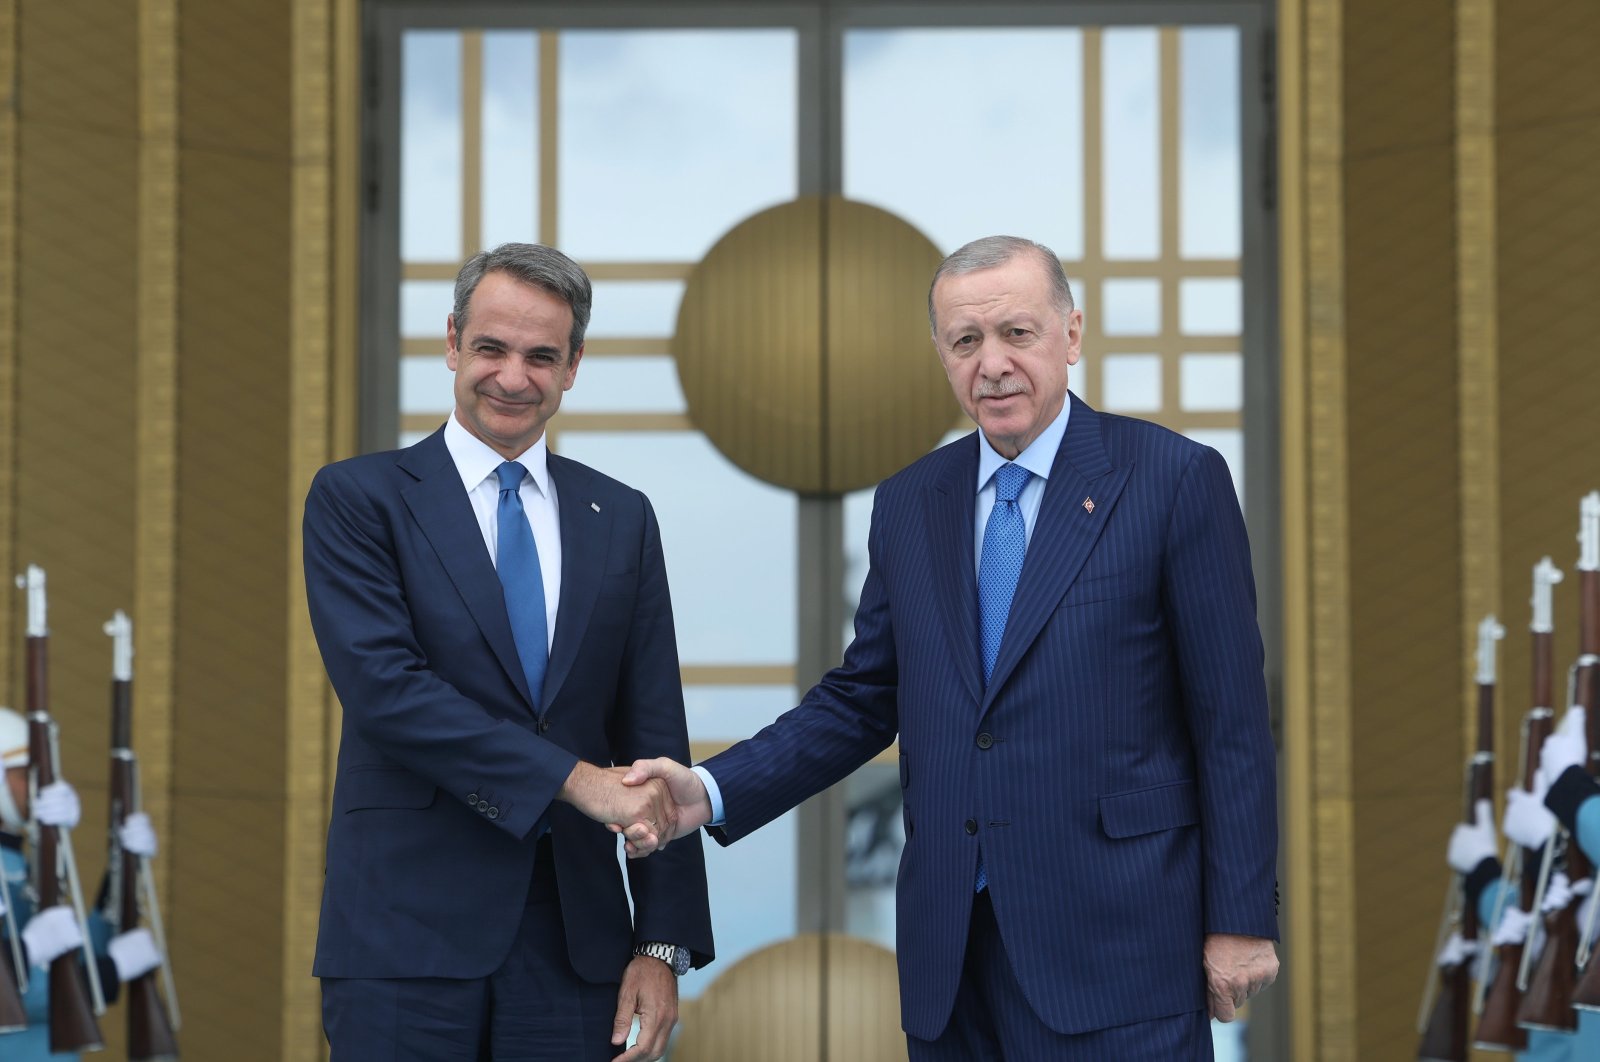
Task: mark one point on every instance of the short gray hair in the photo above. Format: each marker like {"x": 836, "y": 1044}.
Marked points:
{"x": 531, "y": 263}
{"x": 991, "y": 251}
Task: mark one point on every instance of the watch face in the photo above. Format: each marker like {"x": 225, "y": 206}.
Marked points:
{"x": 680, "y": 961}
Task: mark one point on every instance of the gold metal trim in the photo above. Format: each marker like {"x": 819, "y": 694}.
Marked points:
{"x": 156, "y": 418}
{"x": 738, "y": 674}
{"x": 9, "y": 679}
{"x": 1477, "y": 311}
{"x": 1181, "y": 268}
{"x": 700, "y": 751}
{"x": 471, "y": 143}
{"x": 549, "y": 139}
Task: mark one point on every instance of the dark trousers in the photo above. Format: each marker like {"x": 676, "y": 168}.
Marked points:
{"x": 992, "y": 1020}
{"x": 534, "y": 1008}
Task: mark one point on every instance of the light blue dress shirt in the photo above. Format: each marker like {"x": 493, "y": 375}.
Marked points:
{"x": 1037, "y": 458}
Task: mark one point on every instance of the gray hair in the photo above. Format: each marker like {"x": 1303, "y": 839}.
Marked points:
{"x": 991, "y": 251}
{"x": 531, "y": 263}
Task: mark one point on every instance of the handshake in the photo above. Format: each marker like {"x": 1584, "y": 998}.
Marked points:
{"x": 649, "y": 804}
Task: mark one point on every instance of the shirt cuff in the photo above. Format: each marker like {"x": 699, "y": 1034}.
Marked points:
{"x": 714, "y": 794}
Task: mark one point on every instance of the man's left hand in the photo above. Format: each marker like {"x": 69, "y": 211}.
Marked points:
{"x": 1237, "y": 968}
{"x": 649, "y": 990}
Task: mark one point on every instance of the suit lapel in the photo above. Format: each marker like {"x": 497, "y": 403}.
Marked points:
{"x": 439, "y": 504}
{"x": 949, "y": 511}
{"x": 585, "y": 538}
{"x": 1063, "y": 535}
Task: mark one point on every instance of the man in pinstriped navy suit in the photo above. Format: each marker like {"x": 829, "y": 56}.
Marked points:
{"x": 1059, "y": 624}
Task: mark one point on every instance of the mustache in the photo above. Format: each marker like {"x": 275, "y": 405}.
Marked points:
{"x": 1000, "y": 388}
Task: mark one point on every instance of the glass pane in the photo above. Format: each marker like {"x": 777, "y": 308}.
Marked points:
{"x": 426, "y": 384}
{"x": 671, "y": 137}
{"x": 754, "y": 893}
{"x": 1211, "y": 306}
{"x": 425, "y": 309}
{"x": 732, "y": 713}
{"x": 510, "y": 137}
{"x": 1212, "y": 382}
{"x": 1208, "y": 161}
{"x": 1131, "y": 129}
{"x": 1229, "y": 442}
{"x": 967, "y": 156}
{"x": 644, "y": 308}
{"x": 1132, "y": 307}
{"x": 874, "y": 835}
{"x": 430, "y": 146}
{"x": 1131, "y": 383}
{"x": 733, "y": 592}
{"x": 625, "y": 384}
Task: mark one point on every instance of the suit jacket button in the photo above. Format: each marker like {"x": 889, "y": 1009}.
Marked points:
{"x": 544, "y": 726}
{"x": 494, "y": 813}
{"x": 972, "y": 826}
{"x": 985, "y": 740}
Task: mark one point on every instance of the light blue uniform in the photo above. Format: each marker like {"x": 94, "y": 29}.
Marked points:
{"x": 33, "y": 1043}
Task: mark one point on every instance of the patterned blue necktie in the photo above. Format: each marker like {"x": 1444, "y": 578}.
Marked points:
{"x": 517, "y": 561}
{"x": 1005, "y": 541}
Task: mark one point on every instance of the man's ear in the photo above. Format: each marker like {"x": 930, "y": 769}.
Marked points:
{"x": 450, "y": 358}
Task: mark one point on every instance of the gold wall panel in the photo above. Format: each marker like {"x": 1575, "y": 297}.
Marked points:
{"x": 771, "y": 1005}
{"x": 794, "y": 326}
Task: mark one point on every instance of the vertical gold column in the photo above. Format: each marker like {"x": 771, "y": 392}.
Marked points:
{"x": 155, "y": 501}
{"x": 1478, "y": 336}
{"x": 1093, "y": 211}
{"x": 8, "y": 334}
{"x": 471, "y": 143}
{"x": 549, "y": 133}
{"x": 1316, "y": 545}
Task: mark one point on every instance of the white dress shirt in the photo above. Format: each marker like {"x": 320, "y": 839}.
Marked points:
{"x": 476, "y": 462}
{"x": 1037, "y": 458}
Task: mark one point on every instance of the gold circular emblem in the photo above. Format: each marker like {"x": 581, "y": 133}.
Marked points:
{"x": 803, "y": 349}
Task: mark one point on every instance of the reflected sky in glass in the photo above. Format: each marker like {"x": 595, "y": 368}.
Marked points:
{"x": 642, "y": 383}
{"x": 968, "y": 132}
{"x": 668, "y": 138}
{"x": 430, "y": 146}
{"x": 1209, "y": 182}
{"x": 510, "y": 137}
{"x": 1131, "y": 135}
{"x": 641, "y": 308}
{"x": 1212, "y": 382}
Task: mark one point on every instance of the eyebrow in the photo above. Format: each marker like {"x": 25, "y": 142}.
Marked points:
{"x": 495, "y": 341}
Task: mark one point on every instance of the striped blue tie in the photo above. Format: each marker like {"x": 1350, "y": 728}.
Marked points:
{"x": 517, "y": 561}
{"x": 1005, "y": 541}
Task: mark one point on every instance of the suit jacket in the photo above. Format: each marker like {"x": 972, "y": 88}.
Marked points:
{"x": 1118, "y": 769}
{"x": 445, "y": 765}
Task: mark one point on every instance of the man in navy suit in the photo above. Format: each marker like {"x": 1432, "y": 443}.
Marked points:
{"x": 495, "y": 620}
{"x": 1058, "y": 622}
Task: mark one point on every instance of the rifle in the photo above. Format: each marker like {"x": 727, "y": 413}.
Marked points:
{"x": 1586, "y": 691}
{"x": 13, "y": 1015}
{"x": 1548, "y": 1002}
{"x": 1499, "y": 1000}
{"x": 72, "y": 1014}
{"x": 150, "y": 1031}
{"x": 1444, "y": 1030}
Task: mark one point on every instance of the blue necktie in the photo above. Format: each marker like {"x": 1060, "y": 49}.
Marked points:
{"x": 1005, "y": 541}
{"x": 517, "y": 561}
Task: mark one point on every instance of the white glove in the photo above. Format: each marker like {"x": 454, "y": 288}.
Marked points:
{"x": 1471, "y": 845}
{"x": 1567, "y": 747}
{"x": 57, "y": 805}
{"x": 50, "y": 934}
{"x": 134, "y": 953}
{"x": 1528, "y": 821}
{"x": 137, "y": 835}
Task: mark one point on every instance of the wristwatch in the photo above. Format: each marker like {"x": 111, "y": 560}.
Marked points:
{"x": 676, "y": 958}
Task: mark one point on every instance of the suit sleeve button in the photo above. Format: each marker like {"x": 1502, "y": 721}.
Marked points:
{"x": 472, "y": 798}
{"x": 483, "y": 805}
{"x": 985, "y": 740}
{"x": 494, "y": 813}
{"x": 971, "y": 826}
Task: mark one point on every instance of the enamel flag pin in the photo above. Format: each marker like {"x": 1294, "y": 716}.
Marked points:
{"x": 595, "y": 506}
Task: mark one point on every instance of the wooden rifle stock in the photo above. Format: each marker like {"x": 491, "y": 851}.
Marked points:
{"x": 1586, "y": 994}
{"x": 1444, "y": 1037}
{"x": 1497, "y": 1026}
{"x": 72, "y": 1021}
{"x": 150, "y": 1032}
{"x": 13, "y": 1016}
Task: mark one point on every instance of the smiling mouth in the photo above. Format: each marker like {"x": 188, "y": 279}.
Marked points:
{"x": 509, "y": 403}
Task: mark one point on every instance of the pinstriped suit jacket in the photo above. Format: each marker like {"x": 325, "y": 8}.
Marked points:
{"x": 1117, "y": 772}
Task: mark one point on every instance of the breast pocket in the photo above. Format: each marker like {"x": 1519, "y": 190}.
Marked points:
{"x": 1141, "y": 811}
{"x": 385, "y": 787}
{"x": 1103, "y": 588}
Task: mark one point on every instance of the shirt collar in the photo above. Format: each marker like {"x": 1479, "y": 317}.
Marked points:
{"x": 476, "y": 461}
{"x": 1037, "y": 458}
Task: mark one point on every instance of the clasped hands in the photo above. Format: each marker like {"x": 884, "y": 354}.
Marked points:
{"x": 649, "y": 804}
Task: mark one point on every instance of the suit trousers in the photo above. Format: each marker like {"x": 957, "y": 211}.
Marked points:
{"x": 992, "y": 1020}
{"x": 534, "y": 1008}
